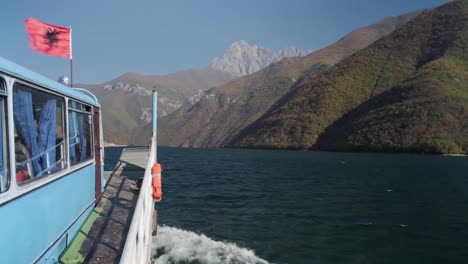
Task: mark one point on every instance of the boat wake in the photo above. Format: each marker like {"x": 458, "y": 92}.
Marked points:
{"x": 180, "y": 246}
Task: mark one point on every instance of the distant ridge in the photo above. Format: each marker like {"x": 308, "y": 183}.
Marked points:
{"x": 126, "y": 99}
{"x": 406, "y": 92}
{"x": 216, "y": 116}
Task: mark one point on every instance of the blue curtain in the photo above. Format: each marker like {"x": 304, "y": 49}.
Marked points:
{"x": 71, "y": 135}
{"x": 24, "y": 120}
{"x": 81, "y": 121}
{"x": 47, "y": 138}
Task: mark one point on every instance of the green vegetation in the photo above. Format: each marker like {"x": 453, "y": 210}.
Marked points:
{"x": 405, "y": 92}
{"x": 226, "y": 110}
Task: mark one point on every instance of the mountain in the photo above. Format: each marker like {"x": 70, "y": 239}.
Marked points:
{"x": 126, "y": 100}
{"x": 406, "y": 92}
{"x": 173, "y": 89}
{"x": 242, "y": 59}
{"x": 216, "y": 116}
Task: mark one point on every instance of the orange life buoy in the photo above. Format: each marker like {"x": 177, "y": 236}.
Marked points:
{"x": 157, "y": 186}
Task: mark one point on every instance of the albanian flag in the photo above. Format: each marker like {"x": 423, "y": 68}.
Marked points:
{"x": 49, "y": 39}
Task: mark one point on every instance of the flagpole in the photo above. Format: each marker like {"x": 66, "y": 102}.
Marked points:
{"x": 71, "y": 59}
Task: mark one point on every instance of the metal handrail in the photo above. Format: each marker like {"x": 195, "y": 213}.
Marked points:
{"x": 42, "y": 154}
{"x": 88, "y": 93}
{"x": 137, "y": 247}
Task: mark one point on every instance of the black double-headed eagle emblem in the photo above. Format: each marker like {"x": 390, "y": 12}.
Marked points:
{"x": 51, "y": 37}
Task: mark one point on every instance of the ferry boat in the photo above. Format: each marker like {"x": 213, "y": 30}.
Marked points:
{"x": 52, "y": 170}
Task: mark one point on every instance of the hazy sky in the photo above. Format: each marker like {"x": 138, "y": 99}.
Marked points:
{"x": 111, "y": 37}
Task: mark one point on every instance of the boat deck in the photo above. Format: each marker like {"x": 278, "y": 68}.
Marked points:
{"x": 102, "y": 238}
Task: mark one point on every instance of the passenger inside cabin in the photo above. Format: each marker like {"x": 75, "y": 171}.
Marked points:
{"x": 38, "y": 117}
{"x": 23, "y": 162}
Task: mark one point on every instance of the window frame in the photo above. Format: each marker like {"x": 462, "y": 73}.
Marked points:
{"x": 54, "y": 175}
{"x": 16, "y": 191}
{"x": 90, "y": 116}
{"x": 4, "y": 134}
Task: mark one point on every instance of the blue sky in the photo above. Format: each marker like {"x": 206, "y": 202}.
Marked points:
{"x": 155, "y": 37}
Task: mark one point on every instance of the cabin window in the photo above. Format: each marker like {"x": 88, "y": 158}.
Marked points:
{"x": 39, "y": 133}
{"x": 79, "y": 132}
{"x": 4, "y": 175}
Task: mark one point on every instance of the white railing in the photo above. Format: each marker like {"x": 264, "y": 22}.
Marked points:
{"x": 138, "y": 245}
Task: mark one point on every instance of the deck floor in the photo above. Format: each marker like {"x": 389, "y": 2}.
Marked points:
{"x": 103, "y": 239}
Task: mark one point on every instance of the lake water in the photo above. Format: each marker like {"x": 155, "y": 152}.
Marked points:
{"x": 266, "y": 206}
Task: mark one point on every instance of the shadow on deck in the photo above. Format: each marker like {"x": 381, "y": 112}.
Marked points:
{"x": 102, "y": 239}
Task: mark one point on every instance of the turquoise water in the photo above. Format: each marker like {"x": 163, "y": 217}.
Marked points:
{"x": 264, "y": 206}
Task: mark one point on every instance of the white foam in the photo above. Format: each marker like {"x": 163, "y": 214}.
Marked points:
{"x": 180, "y": 246}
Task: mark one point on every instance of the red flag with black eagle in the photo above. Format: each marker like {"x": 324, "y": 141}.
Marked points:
{"x": 49, "y": 39}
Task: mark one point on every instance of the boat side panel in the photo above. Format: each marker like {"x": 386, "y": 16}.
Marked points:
{"x": 32, "y": 223}
{"x": 54, "y": 254}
